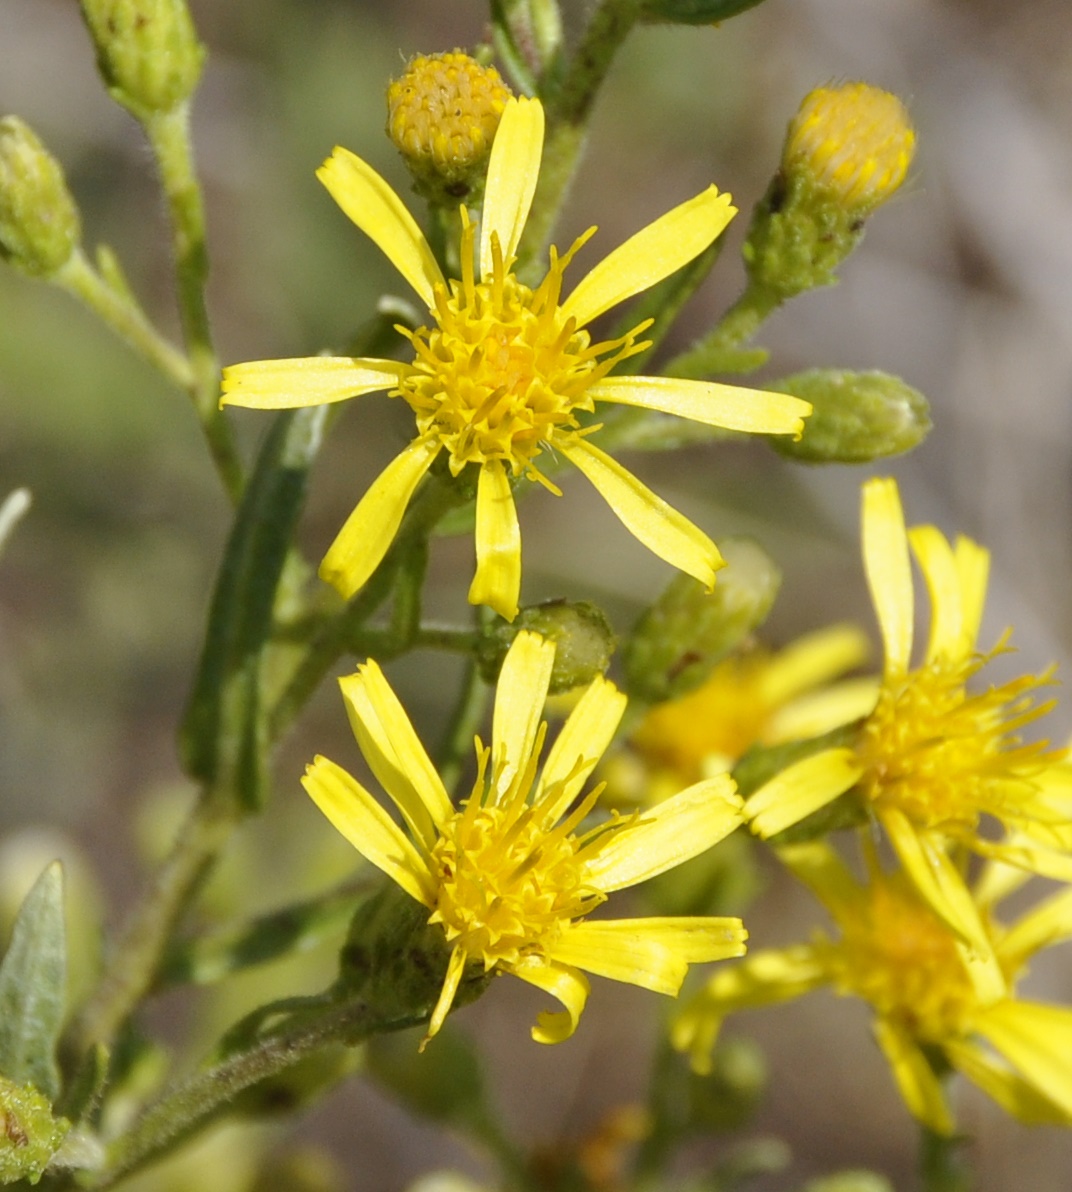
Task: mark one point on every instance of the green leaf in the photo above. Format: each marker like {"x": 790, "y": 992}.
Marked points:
{"x": 224, "y": 733}
{"x": 694, "y": 12}
{"x": 33, "y": 987}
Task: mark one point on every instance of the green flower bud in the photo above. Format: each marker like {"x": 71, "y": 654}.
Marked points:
{"x": 850, "y": 1181}
{"x": 39, "y": 224}
{"x": 147, "y": 52}
{"x": 856, "y": 416}
{"x": 582, "y": 635}
{"x": 692, "y": 12}
{"x": 29, "y": 1134}
{"x": 846, "y": 151}
{"x": 677, "y": 642}
{"x": 442, "y": 115}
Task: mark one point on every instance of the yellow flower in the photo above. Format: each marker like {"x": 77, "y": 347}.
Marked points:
{"x": 507, "y": 874}
{"x": 933, "y": 758}
{"x": 502, "y": 370}
{"x": 755, "y": 697}
{"x": 896, "y": 954}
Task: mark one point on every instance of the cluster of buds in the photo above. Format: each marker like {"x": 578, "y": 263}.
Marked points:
{"x": 39, "y": 223}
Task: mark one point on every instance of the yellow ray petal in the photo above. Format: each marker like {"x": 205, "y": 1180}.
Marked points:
{"x": 653, "y": 253}
{"x": 455, "y": 969}
{"x": 820, "y": 868}
{"x": 889, "y": 572}
{"x": 1037, "y": 1041}
{"x": 584, "y": 738}
{"x": 519, "y": 700}
{"x": 394, "y": 752}
{"x": 936, "y": 880}
{"x": 513, "y": 169}
{"x": 752, "y": 411}
{"x": 812, "y": 660}
{"x": 497, "y": 582}
{"x": 920, "y": 1088}
{"x": 647, "y": 517}
{"x": 1047, "y": 923}
{"x": 823, "y": 711}
{"x": 567, "y": 985}
{"x": 368, "y": 827}
{"x": 973, "y": 567}
{"x": 1014, "y": 1094}
{"x": 680, "y": 827}
{"x": 936, "y": 561}
{"x": 654, "y": 953}
{"x": 371, "y": 203}
{"x": 800, "y": 789}
{"x": 306, "y": 381}
{"x": 363, "y": 541}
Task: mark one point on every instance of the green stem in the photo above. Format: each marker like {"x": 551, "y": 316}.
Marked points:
{"x": 721, "y": 350}
{"x": 132, "y": 965}
{"x": 941, "y": 1162}
{"x": 169, "y": 136}
{"x": 209, "y": 1092}
{"x": 119, "y": 312}
{"x": 446, "y": 637}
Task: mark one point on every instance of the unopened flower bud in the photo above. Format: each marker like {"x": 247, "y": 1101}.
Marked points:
{"x": 442, "y": 115}
{"x": 584, "y": 642}
{"x": 39, "y": 224}
{"x": 855, "y": 142}
{"x": 856, "y": 416}
{"x": 846, "y": 151}
{"x": 678, "y": 641}
{"x": 147, "y": 52}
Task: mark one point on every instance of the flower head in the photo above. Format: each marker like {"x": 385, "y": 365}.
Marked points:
{"x": 934, "y": 758}
{"x": 854, "y": 141}
{"x": 442, "y": 115}
{"x": 892, "y": 951}
{"x": 503, "y": 371}
{"x": 511, "y": 875}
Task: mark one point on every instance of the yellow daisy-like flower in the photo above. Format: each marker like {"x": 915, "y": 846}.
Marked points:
{"x": 757, "y": 697}
{"x": 508, "y": 875}
{"x": 502, "y": 370}
{"x": 896, "y": 954}
{"x": 934, "y": 758}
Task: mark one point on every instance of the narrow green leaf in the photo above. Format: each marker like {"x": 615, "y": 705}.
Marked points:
{"x": 694, "y": 12}
{"x": 224, "y": 737}
{"x": 33, "y": 987}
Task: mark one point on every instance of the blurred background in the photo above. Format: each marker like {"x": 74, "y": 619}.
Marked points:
{"x": 963, "y": 286}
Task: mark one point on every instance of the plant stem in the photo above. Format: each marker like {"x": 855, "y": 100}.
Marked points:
{"x": 720, "y": 350}
{"x": 131, "y": 968}
{"x": 119, "y": 312}
{"x": 169, "y": 136}
{"x": 941, "y": 1162}
{"x": 208, "y": 1092}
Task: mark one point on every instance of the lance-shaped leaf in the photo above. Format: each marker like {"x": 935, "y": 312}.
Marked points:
{"x": 33, "y": 987}
{"x": 224, "y": 734}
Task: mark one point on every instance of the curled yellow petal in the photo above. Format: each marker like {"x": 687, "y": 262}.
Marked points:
{"x": 563, "y": 983}
{"x": 497, "y": 582}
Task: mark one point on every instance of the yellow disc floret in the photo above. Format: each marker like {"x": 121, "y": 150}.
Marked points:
{"x": 442, "y": 115}
{"x": 502, "y": 371}
{"x": 943, "y": 756}
{"x": 898, "y": 955}
{"x": 855, "y": 141}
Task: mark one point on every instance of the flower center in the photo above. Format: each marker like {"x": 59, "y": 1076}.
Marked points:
{"x": 506, "y": 881}
{"x": 900, "y": 957}
{"x": 501, "y": 372}
{"x": 942, "y": 755}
